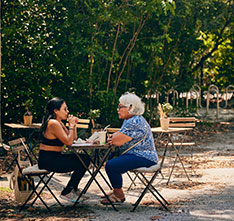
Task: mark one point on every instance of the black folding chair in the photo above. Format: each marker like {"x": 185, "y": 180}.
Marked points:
{"x": 148, "y": 183}
{"x": 15, "y": 146}
{"x": 33, "y": 170}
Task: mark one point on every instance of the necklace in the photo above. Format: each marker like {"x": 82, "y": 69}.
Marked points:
{"x": 62, "y": 125}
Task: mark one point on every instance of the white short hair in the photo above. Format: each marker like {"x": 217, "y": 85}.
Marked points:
{"x": 130, "y": 99}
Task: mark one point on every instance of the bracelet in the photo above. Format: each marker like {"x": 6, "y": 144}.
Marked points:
{"x": 71, "y": 128}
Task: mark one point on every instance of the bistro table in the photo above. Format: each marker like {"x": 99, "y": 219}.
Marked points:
{"x": 97, "y": 164}
{"x": 28, "y": 132}
{"x": 33, "y": 127}
{"x": 22, "y": 126}
{"x": 168, "y": 133}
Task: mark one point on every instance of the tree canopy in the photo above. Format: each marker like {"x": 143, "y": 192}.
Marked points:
{"x": 90, "y": 52}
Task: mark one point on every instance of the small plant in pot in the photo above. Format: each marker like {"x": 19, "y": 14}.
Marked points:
{"x": 28, "y": 114}
{"x": 164, "y": 109}
{"x": 93, "y": 114}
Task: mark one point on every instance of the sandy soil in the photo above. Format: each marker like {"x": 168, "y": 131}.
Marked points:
{"x": 208, "y": 196}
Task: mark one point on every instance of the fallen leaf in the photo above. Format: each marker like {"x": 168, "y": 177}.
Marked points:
{"x": 31, "y": 208}
{"x": 155, "y": 217}
{"x": 17, "y": 215}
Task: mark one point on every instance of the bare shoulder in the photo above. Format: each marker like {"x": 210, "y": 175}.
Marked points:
{"x": 53, "y": 123}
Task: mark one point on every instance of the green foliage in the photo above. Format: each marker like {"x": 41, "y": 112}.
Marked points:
{"x": 91, "y": 52}
{"x": 4, "y": 189}
{"x": 93, "y": 114}
{"x": 166, "y": 107}
{"x": 182, "y": 112}
{"x": 107, "y": 102}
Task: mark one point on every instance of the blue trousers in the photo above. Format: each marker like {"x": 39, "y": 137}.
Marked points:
{"x": 120, "y": 165}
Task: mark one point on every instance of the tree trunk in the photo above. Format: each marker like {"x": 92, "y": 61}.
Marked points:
{"x": 0, "y": 84}
{"x": 130, "y": 46}
{"x": 111, "y": 64}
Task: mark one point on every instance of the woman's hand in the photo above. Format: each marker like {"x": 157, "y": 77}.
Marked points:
{"x": 109, "y": 139}
{"x": 72, "y": 120}
{"x": 118, "y": 139}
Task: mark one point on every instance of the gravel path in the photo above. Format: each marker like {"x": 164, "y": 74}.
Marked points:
{"x": 210, "y": 195}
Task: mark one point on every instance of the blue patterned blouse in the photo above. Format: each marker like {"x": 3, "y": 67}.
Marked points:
{"x": 136, "y": 127}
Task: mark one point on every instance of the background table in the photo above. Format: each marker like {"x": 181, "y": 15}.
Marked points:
{"x": 169, "y": 133}
{"x": 28, "y": 130}
{"x": 22, "y": 126}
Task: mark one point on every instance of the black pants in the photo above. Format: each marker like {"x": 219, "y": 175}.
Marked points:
{"x": 63, "y": 163}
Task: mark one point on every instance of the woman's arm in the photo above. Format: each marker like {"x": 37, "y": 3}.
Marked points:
{"x": 55, "y": 129}
{"x": 118, "y": 139}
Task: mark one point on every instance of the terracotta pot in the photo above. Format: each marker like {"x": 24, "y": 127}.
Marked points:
{"x": 164, "y": 122}
{"x": 28, "y": 120}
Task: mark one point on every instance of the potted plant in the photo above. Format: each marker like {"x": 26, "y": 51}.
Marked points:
{"x": 28, "y": 114}
{"x": 164, "y": 109}
{"x": 93, "y": 114}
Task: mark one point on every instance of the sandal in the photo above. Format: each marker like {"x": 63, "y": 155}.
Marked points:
{"x": 108, "y": 194}
{"x": 114, "y": 199}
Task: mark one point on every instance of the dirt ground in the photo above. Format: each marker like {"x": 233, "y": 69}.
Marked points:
{"x": 208, "y": 196}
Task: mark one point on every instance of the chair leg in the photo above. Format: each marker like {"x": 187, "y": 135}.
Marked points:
{"x": 132, "y": 180}
{"x": 153, "y": 190}
{"x": 147, "y": 187}
{"x": 39, "y": 193}
{"x": 34, "y": 191}
{"x": 46, "y": 186}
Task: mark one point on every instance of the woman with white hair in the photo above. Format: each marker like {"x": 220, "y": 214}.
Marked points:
{"x": 136, "y": 144}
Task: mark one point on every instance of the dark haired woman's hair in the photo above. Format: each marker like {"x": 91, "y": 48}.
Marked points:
{"x": 54, "y": 103}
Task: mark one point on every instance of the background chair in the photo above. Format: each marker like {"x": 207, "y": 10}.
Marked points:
{"x": 111, "y": 130}
{"x": 83, "y": 125}
{"x": 183, "y": 122}
{"x": 183, "y": 140}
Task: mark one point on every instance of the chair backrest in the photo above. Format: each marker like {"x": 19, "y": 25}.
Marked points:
{"x": 112, "y": 130}
{"x": 182, "y": 122}
{"x": 17, "y": 145}
{"x": 83, "y": 123}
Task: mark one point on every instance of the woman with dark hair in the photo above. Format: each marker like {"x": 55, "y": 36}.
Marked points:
{"x": 54, "y": 135}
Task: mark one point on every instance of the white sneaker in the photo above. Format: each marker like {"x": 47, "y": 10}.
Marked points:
{"x": 73, "y": 196}
{"x": 77, "y": 194}
{"x": 69, "y": 197}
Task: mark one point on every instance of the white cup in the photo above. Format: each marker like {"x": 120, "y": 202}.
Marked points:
{"x": 102, "y": 137}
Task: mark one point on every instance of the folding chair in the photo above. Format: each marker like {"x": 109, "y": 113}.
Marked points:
{"x": 14, "y": 147}
{"x": 181, "y": 122}
{"x": 148, "y": 183}
{"x": 82, "y": 124}
{"x": 111, "y": 130}
{"x": 33, "y": 170}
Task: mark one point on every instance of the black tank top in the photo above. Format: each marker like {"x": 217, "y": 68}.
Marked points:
{"x": 51, "y": 142}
